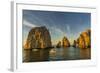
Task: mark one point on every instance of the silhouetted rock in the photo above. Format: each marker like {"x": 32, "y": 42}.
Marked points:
{"x": 65, "y": 42}
{"x": 75, "y": 43}
{"x": 58, "y": 44}
{"x": 38, "y": 37}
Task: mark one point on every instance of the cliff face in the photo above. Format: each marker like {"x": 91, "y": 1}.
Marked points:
{"x": 38, "y": 37}
{"x": 65, "y": 42}
{"x": 81, "y": 42}
{"x": 84, "y": 40}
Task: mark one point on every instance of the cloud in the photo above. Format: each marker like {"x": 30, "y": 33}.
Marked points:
{"x": 68, "y": 28}
{"x": 28, "y": 24}
{"x": 56, "y": 30}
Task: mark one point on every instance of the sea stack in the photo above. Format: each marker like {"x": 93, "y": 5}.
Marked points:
{"x": 59, "y": 44}
{"x": 65, "y": 42}
{"x": 38, "y": 37}
{"x": 84, "y": 40}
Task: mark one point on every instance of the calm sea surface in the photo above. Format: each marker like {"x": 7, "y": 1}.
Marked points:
{"x": 56, "y": 54}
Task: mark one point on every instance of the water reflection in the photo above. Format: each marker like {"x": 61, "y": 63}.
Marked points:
{"x": 56, "y": 54}
{"x": 36, "y": 55}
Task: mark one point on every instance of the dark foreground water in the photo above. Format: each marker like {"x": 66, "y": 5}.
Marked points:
{"x": 56, "y": 54}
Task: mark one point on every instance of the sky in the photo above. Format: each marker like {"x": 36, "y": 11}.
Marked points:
{"x": 59, "y": 24}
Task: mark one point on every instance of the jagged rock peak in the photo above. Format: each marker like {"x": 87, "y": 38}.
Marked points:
{"x": 65, "y": 42}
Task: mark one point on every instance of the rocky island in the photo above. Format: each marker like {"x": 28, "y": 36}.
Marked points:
{"x": 65, "y": 43}
{"x": 38, "y": 37}
{"x": 84, "y": 40}
{"x": 58, "y": 44}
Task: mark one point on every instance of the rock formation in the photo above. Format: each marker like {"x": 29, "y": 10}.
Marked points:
{"x": 58, "y": 44}
{"x": 84, "y": 40}
{"x": 81, "y": 42}
{"x": 38, "y": 37}
{"x": 65, "y": 42}
{"x": 75, "y": 43}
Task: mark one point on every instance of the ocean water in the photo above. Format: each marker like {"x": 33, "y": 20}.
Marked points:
{"x": 56, "y": 54}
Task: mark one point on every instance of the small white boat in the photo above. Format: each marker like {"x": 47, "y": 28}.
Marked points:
{"x": 34, "y": 49}
{"x": 52, "y": 51}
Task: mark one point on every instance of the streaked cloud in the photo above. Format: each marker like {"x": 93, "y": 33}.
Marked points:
{"x": 28, "y": 24}
{"x": 58, "y": 23}
{"x": 68, "y": 28}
